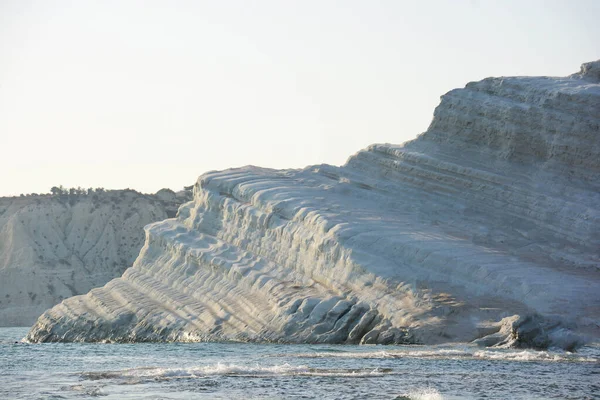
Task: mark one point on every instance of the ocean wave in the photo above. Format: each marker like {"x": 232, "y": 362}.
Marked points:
{"x": 531, "y": 355}
{"x": 441, "y": 353}
{"x": 492, "y": 354}
{"x": 155, "y": 373}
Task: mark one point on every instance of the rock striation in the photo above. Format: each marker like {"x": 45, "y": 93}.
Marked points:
{"x": 485, "y": 229}
{"x": 55, "y": 247}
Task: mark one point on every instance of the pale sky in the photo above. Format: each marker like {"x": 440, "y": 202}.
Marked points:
{"x": 151, "y": 94}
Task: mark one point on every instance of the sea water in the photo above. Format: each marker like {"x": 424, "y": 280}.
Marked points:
{"x": 271, "y": 371}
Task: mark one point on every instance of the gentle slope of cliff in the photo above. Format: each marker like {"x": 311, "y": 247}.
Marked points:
{"x": 55, "y": 247}
{"x": 485, "y": 228}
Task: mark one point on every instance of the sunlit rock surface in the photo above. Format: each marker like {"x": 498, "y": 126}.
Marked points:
{"x": 485, "y": 228}
{"x": 55, "y": 247}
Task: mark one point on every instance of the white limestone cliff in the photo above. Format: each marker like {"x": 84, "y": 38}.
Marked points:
{"x": 486, "y": 228}
{"x": 55, "y": 247}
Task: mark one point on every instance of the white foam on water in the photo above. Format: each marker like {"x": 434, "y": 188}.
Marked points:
{"x": 91, "y": 391}
{"x": 497, "y": 354}
{"x": 532, "y": 355}
{"x": 155, "y": 373}
{"x": 423, "y": 394}
{"x": 439, "y": 353}
{"x": 327, "y": 354}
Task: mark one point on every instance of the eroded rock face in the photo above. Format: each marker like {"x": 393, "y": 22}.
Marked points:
{"x": 55, "y": 247}
{"x": 485, "y": 228}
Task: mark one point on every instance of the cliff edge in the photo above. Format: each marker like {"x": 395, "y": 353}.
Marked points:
{"x": 485, "y": 229}
{"x": 53, "y": 247}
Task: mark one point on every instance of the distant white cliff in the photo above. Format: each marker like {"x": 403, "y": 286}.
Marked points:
{"x": 485, "y": 228}
{"x": 55, "y": 247}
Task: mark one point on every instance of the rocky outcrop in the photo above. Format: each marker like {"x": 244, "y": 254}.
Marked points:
{"x": 55, "y": 247}
{"x": 485, "y": 228}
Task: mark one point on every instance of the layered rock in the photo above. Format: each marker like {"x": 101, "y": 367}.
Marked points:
{"x": 485, "y": 228}
{"x": 55, "y": 247}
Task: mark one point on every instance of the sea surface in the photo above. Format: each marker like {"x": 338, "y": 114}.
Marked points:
{"x": 270, "y": 371}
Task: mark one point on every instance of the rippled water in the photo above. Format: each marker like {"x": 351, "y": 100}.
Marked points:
{"x": 251, "y": 371}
